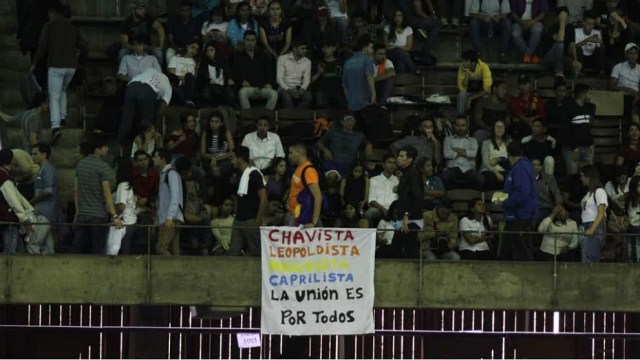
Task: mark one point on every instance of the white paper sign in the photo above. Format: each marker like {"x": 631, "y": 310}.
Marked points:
{"x": 317, "y": 281}
{"x": 248, "y": 340}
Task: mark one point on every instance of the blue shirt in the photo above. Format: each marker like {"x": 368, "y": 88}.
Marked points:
{"x": 235, "y": 31}
{"x": 520, "y": 184}
{"x": 354, "y": 80}
{"x": 46, "y": 182}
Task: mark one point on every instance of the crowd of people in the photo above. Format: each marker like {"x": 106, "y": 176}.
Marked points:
{"x": 207, "y": 188}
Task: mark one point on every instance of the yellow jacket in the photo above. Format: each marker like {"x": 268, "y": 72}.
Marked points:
{"x": 482, "y": 72}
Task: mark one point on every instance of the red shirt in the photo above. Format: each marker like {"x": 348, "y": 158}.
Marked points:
{"x": 520, "y": 107}
{"x": 190, "y": 146}
{"x": 146, "y": 186}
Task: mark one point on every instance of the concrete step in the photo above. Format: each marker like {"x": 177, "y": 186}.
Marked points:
{"x": 65, "y": 158}
{"x": 66, "y": 180}
{"x": 69, "y": 140}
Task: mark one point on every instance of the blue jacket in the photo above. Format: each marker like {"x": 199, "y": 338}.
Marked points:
{"x": 520, "y": 184}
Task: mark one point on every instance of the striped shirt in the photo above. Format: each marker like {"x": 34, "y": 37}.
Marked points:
{"x": 580, "y": 128}
{"x": 60, "y": 41}
{"x": 214, "y": 146}
{"x": 90, "y": 173}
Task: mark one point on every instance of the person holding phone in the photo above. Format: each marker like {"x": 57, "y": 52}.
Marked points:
{"x": 586, "y": 46}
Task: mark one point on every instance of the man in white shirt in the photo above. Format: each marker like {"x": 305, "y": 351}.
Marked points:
{"x": 382, "y": 191}
{"x": 625, "y": 76}
{"x": 586, "y": 45}
{"x": 149, "y": 93}
{"x": 263, "y": 145}
{"x": 384, "y": 73}
{"x": 293, "y": 77}
{"x": 460, "y": 152}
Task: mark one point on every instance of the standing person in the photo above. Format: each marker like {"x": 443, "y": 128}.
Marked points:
{"x": 59, "y": 41}
{"x": 251, "y": 206}
{"x": 170, "y": 203}
{"x": 94, "y": 203}
{"x": 357, "y": 80}
{"x": 579, "y": 149}
{"x": 384, "y": 74}
{"x": 520, "y": 208}
{"x": 147, "y": 94}
{"x": 13, "y": 206}
{"x": 44, "y": 201}
{"x": 594, "y": 204}
{"x": 31, "y": 120}
{"x": 410, "y": 190}
{"x": 126, "y": 208}
{"x": 305, "y": 198}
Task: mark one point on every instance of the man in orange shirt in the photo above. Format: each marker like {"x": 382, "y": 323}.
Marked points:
{"x": 305, "y": 198}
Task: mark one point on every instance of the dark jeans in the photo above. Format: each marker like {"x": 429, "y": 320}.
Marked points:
{"x": 450, "y": 9}
{"x": 594, "y": 63}
{"x": 91, "y": 237}
{"x": 287, "y": 100}
{"x": 185, "y": 91}
{"x": 327, "y": 98}
{"x": 141, "y": 99}
{"x": 480, "y": 27}
{"x": 217, "y": 95}
{"x": 517, "y": 246}
{"x": 127, "y": 240}
{"x": 245, "y": 238}
{"x": 406, "y": 246}
{"x": 27, "y": 190}
{"x": 432, "y": 27}
{"x": 402, "y": 61}
{"x": 384, "y": 88}
{"x": 455, "y": 178}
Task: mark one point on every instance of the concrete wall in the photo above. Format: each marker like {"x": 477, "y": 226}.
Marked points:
{"x": 233, "y": 282}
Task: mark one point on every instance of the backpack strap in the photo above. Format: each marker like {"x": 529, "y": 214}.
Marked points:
{"x": 303, "y": 177}
{"x": 184, "y": 197}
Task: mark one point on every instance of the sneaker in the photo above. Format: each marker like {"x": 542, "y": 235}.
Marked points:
{"x": 55, "y": 136}
{"x": 444, "y": 22}
{"x": 455, "y": 22}
{"x": 535, "y": 59}
{"x": 526, "y": 59}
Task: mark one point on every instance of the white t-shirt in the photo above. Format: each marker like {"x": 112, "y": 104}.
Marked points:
{"x": 526, "y": 15}
{"x": 589, "y": 48}
{"x": 208, "y": 26}
{"x": 125, "y": 195}
{"x": 388, "y": 65}
{"x": 627, "y": 77}
{"x": 401, "y": 39}
{"x": 182, "y": 65}
{"x": 334, "y": 9}
{"x": 467, "y": 224}
{"x": 388, "y": 229}
{"x": 590, "y": 203}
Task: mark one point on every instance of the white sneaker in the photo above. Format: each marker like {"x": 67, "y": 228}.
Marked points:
{"x": 438, "y": 99}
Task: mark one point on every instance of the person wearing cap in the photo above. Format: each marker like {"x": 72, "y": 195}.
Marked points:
{"x": 139, "y": 25}
{"x": 251, "y": 206}
{"x": 341, "y": 147}
{"x": 439, "y": 236}
{"x": 527, "y": 16}
{"x": 327, "y": 81}
{"x": 524, "y": 108}
{"x": 625, "y": 76}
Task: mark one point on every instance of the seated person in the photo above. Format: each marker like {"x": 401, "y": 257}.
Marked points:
{"x": 573, "y": 190}
{"x": 474, "y": 80}
{"x": 214, "y": 30}
{"x": 264, "y": 146}
{"x": 586, "y": 46}
{"x": 319, "y": 31}
{"x": 351, "y": 218}
{"x": 539, "y": 145}
{"x": 618, "y": 189}
{"x": 558, "y": 57}
{"x": 359, "y": 27}
{"x": 242, "y": 22}
{"x": 185, "y": 141}
{"x": 439, "y": 235}
{"x": 576, "y": 9}
{"x": 183, "y": 66}
{"x": 182, "y": 30}
{"x": 489, "y": 17}
{"x": 327, "y": 81}
{"x": 398, "y": 38}
{"x": 434, "y": 189}
{"x": 387, "y": 229}
{"x": 382, "y": 191}
{"x": 253, "y": 74}
{"x": 213, "y": 81}
{"x": 275, "y": 31}
{"x": 293, "y": 76}
{"x": 489, "y": 109}
{"x": 195, "y": 214}
{"x": 137, "y": 62}
{"x": 616, "y": 37}
{"x": 420, "y": 136}
{"x": 384, "y": 74}
{"x": 524, "y": 108}
{"x": 549, "y": 195}
{"x": 221, "y": 228}
{"x": 625, "y": 77}
{"x": 494, "y": 151}
{"x": 460, "y": 152}
{"x": 340, "y": 147}
{"x": 560, "y": 236}
{"x": 473, "y": 236}
{"x": 557, "y": 110}
{"x": 629, "y": 153}
{"x": 277, "y": 181}
{"x": 148, "y": 140}
{"x": 527, "y": 17}
{"x": 354, "y": 188}
{"x": 139, "y": 25}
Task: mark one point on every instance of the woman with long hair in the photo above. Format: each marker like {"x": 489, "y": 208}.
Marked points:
{"x": 213, "y": 80}
{"x": 148, "y": 140}
{"x": 351, "y": 218}
{"x": 277, "y": 182}
{"x": 398, "y": 38}
{"x": 493, "y": 150}
{"x": 473, "y": 235}
{"x": 242, "y": 22}
{"x": 632, "y": 206}
{"x": 354, "y": 188}
{"x": 119, "y": 240}
{"x": 275, "y": 31}
{"x": 216, "y": 150}
{"x": 594, "y": 206}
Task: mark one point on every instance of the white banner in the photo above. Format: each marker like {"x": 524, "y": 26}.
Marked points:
{"x": 317, "y": 281}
